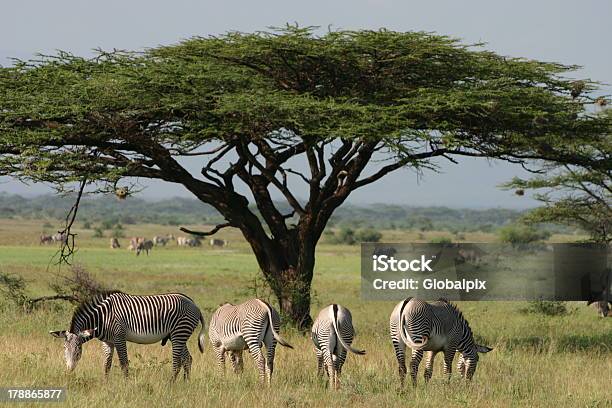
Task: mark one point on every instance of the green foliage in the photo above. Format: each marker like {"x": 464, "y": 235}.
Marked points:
{"x": 441, "y": 240}
{"x": 87, "y": 225}
{"x": 345, "y": 236}
{"x": 13, "y": 289}
{"x": 394, "y": 86}
{"x": 519, "y": 235}
{"x": 367, "y": 235}
{"x": 98, "y": 232}
{"x": 547, "y": 308}
{"x": 348, "y": 236}
{"x": 117, "y": 233}
{"x": 576, "y": 195}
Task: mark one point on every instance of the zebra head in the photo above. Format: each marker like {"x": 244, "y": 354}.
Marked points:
{"x": 73, "y": 343}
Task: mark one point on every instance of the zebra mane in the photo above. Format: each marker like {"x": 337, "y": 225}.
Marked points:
{"x": 89, "y": 303}
{"x": 456, "y": 311}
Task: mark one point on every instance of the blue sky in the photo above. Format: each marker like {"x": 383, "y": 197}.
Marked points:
{"x": 569, "y": 32}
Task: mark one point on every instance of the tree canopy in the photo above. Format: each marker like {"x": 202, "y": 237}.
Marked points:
{"x": 250, "y": 104}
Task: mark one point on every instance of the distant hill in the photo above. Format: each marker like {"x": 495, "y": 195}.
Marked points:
{"x": 175, "y": 211}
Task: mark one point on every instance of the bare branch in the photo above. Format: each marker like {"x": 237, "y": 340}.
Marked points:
{"x": 205, "y": 234}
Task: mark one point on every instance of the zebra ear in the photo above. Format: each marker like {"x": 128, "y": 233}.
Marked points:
{"x": 87, "y": 333}
{"x": 483, "y": 349}
{"x": 60, "y": 334}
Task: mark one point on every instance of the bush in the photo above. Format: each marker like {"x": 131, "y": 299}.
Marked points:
{"x": 107, "y": 224}
{"x": 86, "y": 225}
{"x": 368, "y": 235}
{"x": 521, "y": 235}
{"x": 345, "y": 236}
{"x": 118, "y": 233}
{"x": 547, "y": 308}
{"x": 98, "y": 233}
{"x": 441, "y": 240}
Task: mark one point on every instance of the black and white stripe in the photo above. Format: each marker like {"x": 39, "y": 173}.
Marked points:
{"x": 247, "y": 326}
{"x": 433, "y": 327}
{"x": 332, "y": 335}
{"x": 116, "y": 318}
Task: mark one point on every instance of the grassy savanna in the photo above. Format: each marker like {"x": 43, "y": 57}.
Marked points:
{"x": 554, "y": 361}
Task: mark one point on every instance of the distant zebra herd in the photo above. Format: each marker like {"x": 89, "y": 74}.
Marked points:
{"x": 141, "y": 244}
{"x": 49, "y": 239}
{"x": 116, "y": 318}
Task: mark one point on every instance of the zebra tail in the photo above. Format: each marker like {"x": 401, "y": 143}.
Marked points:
{"x": 406, "y": 336}
{"x": 202, "y": 335}
{"x": 335, "y": 324}
{"x": 277, "y": 336}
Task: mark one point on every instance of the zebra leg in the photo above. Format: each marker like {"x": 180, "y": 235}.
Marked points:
{"x": 270, "y": 351}
{"x": 237, "y": 362}
{"x": 123, "y": 356}
{"x": 400, "y": 354}
{"x": 179, "y": 345}
{"x": 109, "y": 349}
{"x": 461, "y": 366}
{"x": 340, "y": 359}
{"x": 257, "y": 355}
{"x": 470, "y": 368}
{"x": 329, "y": 365}
{"x": 187, "y": 360}
{"x": 449, "y": 355}
{"x": 417, "y": 355}
{"x": 429, "y": 365}
{"x": 320, "y": 370}
{"x": 220, "y": 353}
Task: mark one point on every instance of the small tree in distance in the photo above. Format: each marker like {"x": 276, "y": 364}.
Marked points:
{"x": 250, "y": 105}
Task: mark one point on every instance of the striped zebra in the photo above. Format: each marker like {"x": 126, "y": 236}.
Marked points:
{"x": 433, "y": 327}
{"x": 144, "y": 245}
{"x": 116, "y": 318}
{"x": 247, "y": 326}
{"x": 332, "y": 335}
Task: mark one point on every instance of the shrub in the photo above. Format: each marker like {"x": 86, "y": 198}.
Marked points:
{"x": 107, "y": 224}
{"x": 521, "y": 235}
{"x": 368, "y": 235}
{"x": 118, "y": 233}
{"x": 547, "y": 308}
{"x": 98, "y": 233}
{"x": 441, "y": 240}
{"x": 86, "y": 225}
{"x": 345, "y": 236}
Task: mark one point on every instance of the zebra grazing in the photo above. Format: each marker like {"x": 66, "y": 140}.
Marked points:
{"x": 214, "y": 242}
{"x": 116, "y": 318}
{"x": 246, "y": 326}
{"x": 114, "y": 243}
{"x": 603, "y": 307}
{"x": 433, "y": 327}
{"x": 159, "y": 240}
{"x": 145, "y": 245}
{"x": 332, "y": 335}
{"x": 45, "y": 239}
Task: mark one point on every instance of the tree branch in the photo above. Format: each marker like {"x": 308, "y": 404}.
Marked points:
{"x": 205, "y": 234}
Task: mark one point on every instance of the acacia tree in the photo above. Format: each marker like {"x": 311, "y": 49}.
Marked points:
{"x": 251, "y": 106}
{"x": 573, "y": 195}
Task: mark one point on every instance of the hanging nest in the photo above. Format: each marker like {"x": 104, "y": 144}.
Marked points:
{"x": 601, "y": 101}
{"x": 520, "y": 192}
{"x": 122, "y": 192}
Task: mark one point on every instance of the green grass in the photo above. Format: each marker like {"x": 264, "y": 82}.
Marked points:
{"x": 548, "y": 361}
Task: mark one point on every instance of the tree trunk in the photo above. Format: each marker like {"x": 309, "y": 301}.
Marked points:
{"x": 287, "y": 264}
{"x": 292, "y": 289}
